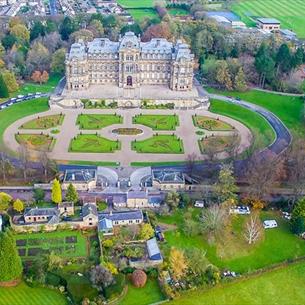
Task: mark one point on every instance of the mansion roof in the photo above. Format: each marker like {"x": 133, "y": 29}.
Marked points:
{"x": 130, "y": 41}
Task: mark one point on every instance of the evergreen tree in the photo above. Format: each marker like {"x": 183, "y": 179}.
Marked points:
{"x": 3, "y": 88}
{"x": 10, "y": 262}
{"x": 66, "y": 28}
{"x": 283, "y": 59}
{"x": 71, "y": 195}
{"x": 56, "y": 192}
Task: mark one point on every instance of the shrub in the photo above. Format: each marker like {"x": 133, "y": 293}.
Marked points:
{"x": 139, "y": 278}
{"x": 115, "y": 289}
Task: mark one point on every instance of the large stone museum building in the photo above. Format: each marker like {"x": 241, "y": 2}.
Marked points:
{"x": 130, "y": 63}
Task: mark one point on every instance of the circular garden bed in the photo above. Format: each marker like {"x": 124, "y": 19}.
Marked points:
{"x": 127, "y": 131}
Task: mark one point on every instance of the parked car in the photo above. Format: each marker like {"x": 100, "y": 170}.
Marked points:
{"x": 240, "y": 210}
{"x": 269, "y": 224}
{"x": 286, "y": 215}
{"x": 20, "y": 96}
{"x": 199, "y": 204}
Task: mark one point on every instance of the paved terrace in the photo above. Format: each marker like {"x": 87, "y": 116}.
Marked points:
{"x": 186, "y": 131}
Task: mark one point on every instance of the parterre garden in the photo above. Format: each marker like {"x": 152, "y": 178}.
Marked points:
{"x": 44, "y": 122}
{"x": 39, "y": 142}
{"x": 211, "y": 124}
{"x": 217, "y": 144}
{"x": 97, "y": 121}
{"x": 93, "y": 143}
{"x": 157, "y": 121}
{"x": 159, "y": 144}
{"x": 290, "y": 13}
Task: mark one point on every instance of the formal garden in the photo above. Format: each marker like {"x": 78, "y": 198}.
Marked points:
{"x": 211, "y": 124}
{"x": 44, "y": 122}
{"x": 217, "y": 144}
{"x": 159, "y": 144}
{"x": 157, "y": 121}
{"x": 39, "y": 142}
{"x": 93, "y": 143}
{"x": 97, "y": 121}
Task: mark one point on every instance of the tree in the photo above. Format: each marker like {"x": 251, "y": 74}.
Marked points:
{"x": 18, "y": 205}
{"x": 44, "y": 77}
{"x": 223, "y": 76}
{"x": 111, "y": 267}
{"x": 5, "y": 166}
{"x": 71, "y": 194}
{"x": 20, "y": 32}
{"x": 38, "y": 58}
{"x": 54, "y": 262}
{"x": 38, "y": 29}
{"x": 39, "y": 77}
{"x": 10, "y": 81}
{"x": 24, "y": 156}
{"x": 38, "y": 270}
{"x": 5, "y": 200}
{"x": 10, "y": 262}
{"x": 253, "y": 229}
{"x": 299, "y": 210}
{"x": 56, "y": 192}
{"x": 58, "y": 61}
{"x": 283, "y": 59}
{"x": 82, "y": 34}
{"x": 240, "y": 81}
{"x": 3, "y": 88}
{"x": 213, "y": 219}
{"x": 225, "y": 188}
{"x": 178, "y": 263}
{"x": 101, "y": 277}
{"x": 146, "y": 231}
{"x": 139, "y": 278}
{"x": 172, "y": 199}
{"x": 160, "y": 30}
{"x": 298, "y": 225}
{"x": 38, "y": 195}
{"x": 67, "y": 27}
{"x": 197, "y": 261}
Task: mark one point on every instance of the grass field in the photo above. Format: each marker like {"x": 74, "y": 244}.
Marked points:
{"x": 136, "y": 3}
{"x": 38, "y": 142}
{"x": 24, "y": 295}
{"x": 64, "y": 243}
{"x": 282, "y": 286}
{"x": 289, "y": 12}
{"x": 157, "y": 121}
{"x": 261, "y": 130}
{"x": 231, "y": 251}
{"x": 18, "y": 111}
{"x": 97, "y": 121}
{"x": 140, "y": 13}
{"x": 44, "y": 122}
{"x": 149, "y": 294}
{"x": 289, "y": 109}
{"x": 208, "y": 123}
{"x": 91, "y": 143}
{"x": 178, "y": 12}
{"x": 159, "y": 144}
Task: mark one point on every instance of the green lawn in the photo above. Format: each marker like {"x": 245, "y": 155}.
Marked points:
{"x": 289, "y": 109}
{"x": 282, "y": 286}
{"x": 59, "y": 241}
{"x": 178, "y": 12}
{"x": 289, "y": 12}
{"x": 140, "y": 13}
{"x": 94, "y": 163}
{"x": 235, "y": 254}
{"x": 149, "y": 294}
{"x": 159, "y": 144}
{"x": 24, "y": 295}
{"x": 38, "y": 142}
{"x": 97, "y": 121}
{"x": 208, "y": 123}
{"x": 261, "y": 130}
{"x": 44, "y": 122}
{"x": 136, "y": 3}
{"x": 157, "y": 121}
{"x": 91, "y": 143}
{"x": 18, "y": 111}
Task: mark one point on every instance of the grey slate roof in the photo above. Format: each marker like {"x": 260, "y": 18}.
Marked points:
{"x": 168, "y": 176}
{"x": 105, "y": 224}
{"x": 122, "y": 215}
{"x": 137, "y": 195}
{"x": 41, "y": 212}
{"x": 268, "y": 20}
{"x": 89, "y": 209}
{"x": 79, "y": 175}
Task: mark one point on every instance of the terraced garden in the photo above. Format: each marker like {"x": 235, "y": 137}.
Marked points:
{"x": 97, "y": 121}
{"x": 44, "y": 122}
{"x": 92, "y": 143}
{"x": 157, "y": 121}
{"x": 159, "y": 144}
{"x": 39, "y": 142}
{"x": 289, "y": 12}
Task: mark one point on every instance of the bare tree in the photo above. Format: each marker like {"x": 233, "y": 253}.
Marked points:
{"x": 295, "y": 164}
{"x": 190, "y": 162}
{"x": 253, "y": 229}
{"x": 263, "y": 172}
{"x": 24, "y": 158}
{"x": 5, "y": 166}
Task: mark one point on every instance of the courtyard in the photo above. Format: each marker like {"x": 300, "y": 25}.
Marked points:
{"x": 128, "y": 135}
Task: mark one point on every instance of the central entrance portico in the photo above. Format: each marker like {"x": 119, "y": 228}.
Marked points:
{"x": 129, "y": 81}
